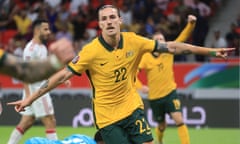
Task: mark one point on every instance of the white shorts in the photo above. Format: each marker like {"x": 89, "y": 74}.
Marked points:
{"x": 41, "y": 107}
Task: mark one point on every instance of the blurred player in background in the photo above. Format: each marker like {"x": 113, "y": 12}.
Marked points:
{"x": 73, "y": 139}
{"x": 36, "y": 70}
{"x": 43, "y": 107}
{"x": 162, "y": 87}
{"x": 111, "y": 63}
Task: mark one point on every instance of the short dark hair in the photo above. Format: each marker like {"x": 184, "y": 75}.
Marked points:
{"x": 38, "y": 22}
{"x": 109, "y": 6}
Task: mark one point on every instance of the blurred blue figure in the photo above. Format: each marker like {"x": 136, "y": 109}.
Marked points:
{"x": 73, "y": 139}
{"x": 40, "y": 140}
{"x": 78, "y": 139}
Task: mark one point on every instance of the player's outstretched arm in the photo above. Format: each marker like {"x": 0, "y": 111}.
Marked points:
{"x": 33, "y": 71}
{"x": 183, "y": 48}
{"x": 50, "y": 84}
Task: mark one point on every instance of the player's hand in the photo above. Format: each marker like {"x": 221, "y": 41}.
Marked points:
{"x": 221, "y": 52}
{"x": 63, "y": 49}
{"x": 68, "y": 83}
{"x": 192, "y": 19}
{"x": 20, "y": 105}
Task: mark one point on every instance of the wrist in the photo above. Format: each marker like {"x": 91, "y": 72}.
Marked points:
{"x": 55, "y": 62}
{"x": 212, "y": 53}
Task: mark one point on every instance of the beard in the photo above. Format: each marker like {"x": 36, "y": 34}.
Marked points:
{"x": 43, "y": 39}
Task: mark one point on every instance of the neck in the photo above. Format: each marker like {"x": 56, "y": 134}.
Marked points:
{"x": 36, "y": 40}
{"x": 112, "y": 40}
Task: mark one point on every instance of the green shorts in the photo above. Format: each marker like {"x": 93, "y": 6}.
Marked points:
{"x": 132, "y": 130}
{"x": 167, "y": 104}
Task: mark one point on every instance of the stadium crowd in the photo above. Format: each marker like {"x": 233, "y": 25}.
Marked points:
{"x": 77, "y": 20}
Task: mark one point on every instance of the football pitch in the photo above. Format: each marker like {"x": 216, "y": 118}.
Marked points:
{"x": 198, "y": 136}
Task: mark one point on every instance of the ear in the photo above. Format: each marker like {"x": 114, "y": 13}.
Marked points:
{"x": 120, "y": 20}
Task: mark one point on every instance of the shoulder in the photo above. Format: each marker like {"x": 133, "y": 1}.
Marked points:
{"x": 30, "y": 46}
{"x": 133, "y": 36}
{"x": 90, "y": 49}
{"x": 128, "y": 34}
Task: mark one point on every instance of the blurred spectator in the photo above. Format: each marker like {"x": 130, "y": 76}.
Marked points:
{"x": 204, "y": 9}
{"x": 140, "y": 11}
{"x": 174, "y": 17}
{"x": 53, "y": 3}
{"x": 136, "y": 26}
{"x": 76, "y": 4}
{"x": 6, "y": 22}
{"x": 218, "y": 40}
{"x": 200, "y": 33}
{"x": 149, "y": 27}
{"x": 42, "y": 13}
{"x": 8, "y": 6}
{"x": 52, "y": 15}
{"x": 163, "y": 27}
{"x": 233, "y": 38}
{"x": 238, "y": 21}
{"x": 162, "y": 4}
{"x": 182, "y": 8}
{"x": 63, "y": 32}
{"x": 86, "y": 39}
{"x": 63, "y": 12}
{"x": 171, "y": 6}
{"x": 32, "y": 12}
{"x": 96, "y": 4}
{"x": 157, "y": 14}
{"x": 22, "y": 21}
{"x": 126, "y": 15}
{"x": 79, "y": 26}
{"x": 19, "y": 44}
{"x": 79, "y": 23}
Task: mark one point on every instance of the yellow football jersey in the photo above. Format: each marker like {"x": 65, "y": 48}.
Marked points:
{"x": 112, "y": 74}
{"x": 159, "y": 70}
{"x": 1, "y": 55}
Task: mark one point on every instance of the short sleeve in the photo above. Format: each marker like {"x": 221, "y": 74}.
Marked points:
{"x": 81, "y": 62}
{"x": 147, "y": 45}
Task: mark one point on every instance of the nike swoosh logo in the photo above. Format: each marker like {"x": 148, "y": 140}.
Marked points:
{"x": 102, "y": 64}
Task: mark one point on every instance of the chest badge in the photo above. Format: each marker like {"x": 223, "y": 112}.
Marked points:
{"x": 129, "y": 54}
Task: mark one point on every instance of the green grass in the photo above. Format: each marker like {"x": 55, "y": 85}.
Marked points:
{"x": 198, "y": 136}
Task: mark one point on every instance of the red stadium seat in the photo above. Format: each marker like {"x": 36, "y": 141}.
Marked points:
{"x": 6, "y": 35}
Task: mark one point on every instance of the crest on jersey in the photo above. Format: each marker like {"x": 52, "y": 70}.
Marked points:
{"x": 75, "y": 60}
{"x": 129, "y": 54}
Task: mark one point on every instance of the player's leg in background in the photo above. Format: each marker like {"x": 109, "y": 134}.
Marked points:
{"x": 160, "y": 131}
{"x": 25, "y": 123}
{"x": 49, "y": 122}
{"x": 182, "y": 128}
{"x": 175, "y": 110}
{"x": 159, "y": 111}
{"x": 44, "y": 110}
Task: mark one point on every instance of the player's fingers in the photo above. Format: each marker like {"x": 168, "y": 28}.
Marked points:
{"x": 192, "y": 18}
{"x": 229, "y": 49}
{"x": 19, "y": 108}
{"x": 13, "y": 103}
{"x": 224, "y": 55}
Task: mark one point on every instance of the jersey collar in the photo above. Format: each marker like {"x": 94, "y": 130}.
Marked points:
{"x": 107, "y": 46}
